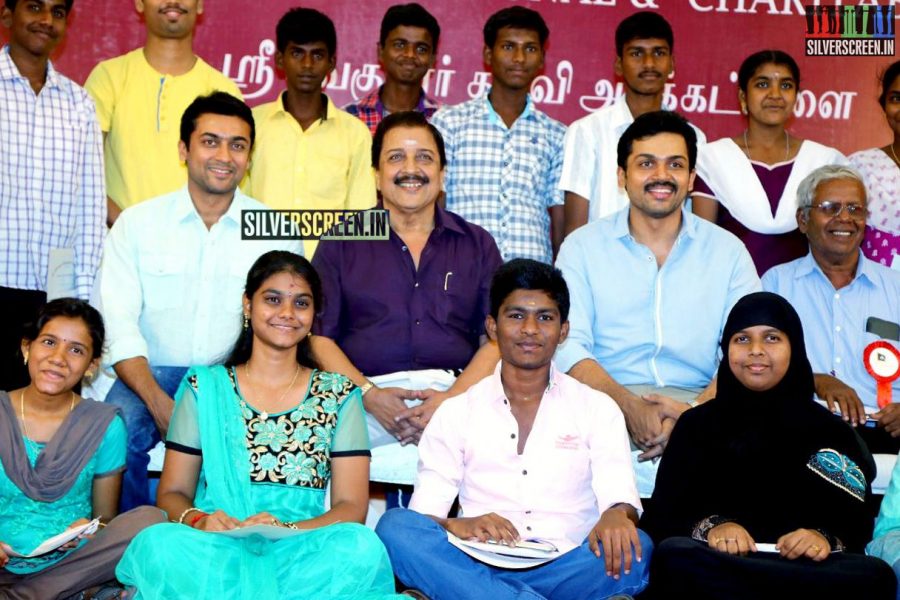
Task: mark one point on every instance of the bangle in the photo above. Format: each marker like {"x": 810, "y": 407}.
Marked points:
{"x": 200, "y": 514}
{"x": 291, "y": 525}
{"x": 364, "y": 388}
{"x": 186, "y": 513}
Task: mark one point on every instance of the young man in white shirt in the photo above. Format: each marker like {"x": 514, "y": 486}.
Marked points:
{"x": 531, "y": 453}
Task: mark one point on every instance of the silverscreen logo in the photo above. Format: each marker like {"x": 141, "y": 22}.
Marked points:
{"x": 834, "y": 30}
{"x": 351, "y": 225}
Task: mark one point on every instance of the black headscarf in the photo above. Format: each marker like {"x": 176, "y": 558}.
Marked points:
{"x": 789, "y": 404}
{"x": 744, "y": 454}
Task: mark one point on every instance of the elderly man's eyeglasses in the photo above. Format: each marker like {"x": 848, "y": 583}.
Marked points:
{"x": 831, "y": 209}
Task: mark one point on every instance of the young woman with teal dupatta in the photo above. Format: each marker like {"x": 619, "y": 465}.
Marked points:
{"x": 255, "y": 442}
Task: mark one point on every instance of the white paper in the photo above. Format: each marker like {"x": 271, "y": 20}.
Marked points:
{"x": 505, "y": 557}
{"x": 51, "y": 544}
{"x": 766, "y": 548}
{"x": 61, "y": 273}
{"x": 270, "y": 532}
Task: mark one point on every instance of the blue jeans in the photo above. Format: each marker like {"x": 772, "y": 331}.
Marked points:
{"x": 142, "y": 434}
{"x": 423, "y": 558}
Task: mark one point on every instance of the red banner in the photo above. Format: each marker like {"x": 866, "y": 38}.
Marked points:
{"x": 837, "y": 104}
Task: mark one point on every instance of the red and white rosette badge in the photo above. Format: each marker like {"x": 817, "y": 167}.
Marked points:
{"x": 882, "y": 361}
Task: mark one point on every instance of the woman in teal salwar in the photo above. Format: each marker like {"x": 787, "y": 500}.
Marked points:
{"x": 256, "y": 442}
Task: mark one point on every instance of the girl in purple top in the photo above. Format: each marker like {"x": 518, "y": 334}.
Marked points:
{"x": 748, "y": 184}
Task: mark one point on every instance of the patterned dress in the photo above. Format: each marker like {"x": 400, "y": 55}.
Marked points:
{"x": 253, "y": 462}
{"x": 882, "y": 177}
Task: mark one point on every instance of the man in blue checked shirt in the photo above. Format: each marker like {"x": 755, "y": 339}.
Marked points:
{"x": 52, "y": 196}
{"x": 504, "y": 156}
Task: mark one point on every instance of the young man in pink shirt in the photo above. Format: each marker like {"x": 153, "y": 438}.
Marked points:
{"x": 531, "y": 453}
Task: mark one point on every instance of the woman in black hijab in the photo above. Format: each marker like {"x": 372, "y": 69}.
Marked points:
{"x": 762, "y": 463}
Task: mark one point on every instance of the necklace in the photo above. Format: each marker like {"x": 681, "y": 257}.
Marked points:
{"x": 787, "y": 145}
{"x": 894, "y": 152}
{"x": 263, "y": 415}
{"x": 25, "y": 426}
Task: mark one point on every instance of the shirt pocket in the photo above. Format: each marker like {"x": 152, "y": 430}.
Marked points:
{"x": 162, "y": 279}
{"x": 328, "y": 180}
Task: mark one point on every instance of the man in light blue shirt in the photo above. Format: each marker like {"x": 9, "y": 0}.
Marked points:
{"x": 845, "y": 301}
{"x": 651, "y": 287}
{"x": 172, "y": 278}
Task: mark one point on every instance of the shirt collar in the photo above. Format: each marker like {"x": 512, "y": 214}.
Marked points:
{"x": 864, "y": 269}
{"x": 185, "y": 209}
{"x": 9, "y": 70}
{"x": 688, "y": 223}
{"x": 372, "y": 101}
{"x": 622, "y": 116}
{"x": 326, "y": 102}
{"x": 442, "y": 221}
{"x": 493, "y": 117}
{"x": 498, "y": 394}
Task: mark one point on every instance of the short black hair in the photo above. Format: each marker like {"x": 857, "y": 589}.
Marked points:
{"x": 69, "y": 308}
{"x": 305, "y": 26}
{"x": 517, "y": 17}
{"x": 408, "y": 118}
{"x": 11, "y": 5}
{"x": 887, "y": 78}
{"x": 643, "y": 26}
{"x": 653, "y": 123}
{"x": 764, "y": 57}
{"x": 529, "y": 274}
{"x": 217, "y": 103}
{"x": 409, "y": 15}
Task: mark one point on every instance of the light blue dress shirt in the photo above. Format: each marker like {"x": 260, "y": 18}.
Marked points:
{"x": 645, "y": 324}
{"x": 834, "y": 321}
{"x": 171, "y": 288}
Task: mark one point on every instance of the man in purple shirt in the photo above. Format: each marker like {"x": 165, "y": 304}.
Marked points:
{"x": 418, "y": 300}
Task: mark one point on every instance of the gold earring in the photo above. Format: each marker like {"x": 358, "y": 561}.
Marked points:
{"x": 246, "y": 320}
{"x": 25, "y": 355}
{"x": 743, "y": 109}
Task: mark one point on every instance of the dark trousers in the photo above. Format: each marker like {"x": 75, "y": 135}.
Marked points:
{"x": 685, "y": 568}
{"x": 17, "y": 308}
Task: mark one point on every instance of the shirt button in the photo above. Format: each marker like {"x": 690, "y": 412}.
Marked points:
{"x": 417, "y": 284}
{"x": 524, "y": 471}
{"x": 528, "y": 527}
{"x": 838, "y": 328}
{"x": 837, "y": 359}
{"x": 505, "y": 163}
{"x": 405, "y": 248}
{"x": 512, "y": 436}
{"x": 837, "y": 296}
{"x": 504, "y": 401}
{"x": 418, "y": 322}
{"x": 527, "y": 512}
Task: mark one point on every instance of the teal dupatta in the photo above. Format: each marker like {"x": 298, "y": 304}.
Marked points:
{"x": 224, "y": 482}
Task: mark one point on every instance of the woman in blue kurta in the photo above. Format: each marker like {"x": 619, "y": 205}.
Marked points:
{"x": 62, "y": 459}
{"x": 255, "y": 442}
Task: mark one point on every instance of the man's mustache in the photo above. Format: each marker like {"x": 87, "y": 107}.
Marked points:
{"x": 410, "y": 178}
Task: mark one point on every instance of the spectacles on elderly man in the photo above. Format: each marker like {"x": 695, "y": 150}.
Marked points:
{"x": 831, "y": 209}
